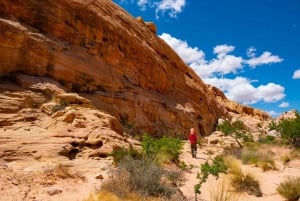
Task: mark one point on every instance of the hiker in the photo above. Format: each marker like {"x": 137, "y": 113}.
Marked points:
{"x": 193, "y": 142}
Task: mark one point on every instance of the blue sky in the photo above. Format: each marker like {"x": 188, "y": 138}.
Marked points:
{"x": 250, "y": 49}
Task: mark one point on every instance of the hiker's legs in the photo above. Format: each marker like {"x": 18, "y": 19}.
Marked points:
{"x": 194, "y": 150}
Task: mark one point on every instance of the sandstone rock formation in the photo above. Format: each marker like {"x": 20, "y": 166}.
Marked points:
{"x": 235, "y": 109}
{"x": 97, "y": 48}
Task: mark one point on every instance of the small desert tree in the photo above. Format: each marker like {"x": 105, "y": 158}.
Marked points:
{"x": 289, "y": 130}
{"x": 236, "y": 130}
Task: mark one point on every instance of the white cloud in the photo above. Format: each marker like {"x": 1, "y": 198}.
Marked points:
{"x": 284, "y": 104}
{"x": 241, "y": 90}
{"x": 223, "y": 50}
{"x": 173, "y": 7}
{"x": 251, "y": 52}
{"x": 196, "y": 58}
{"x": 142, "y": 4}
{"x": 212, "y": 71}
{"x": 188, "y": 54}
{"x": 296, "y": 74}
{"x": 265, "y": 58}
{"x": 271, "y": 92}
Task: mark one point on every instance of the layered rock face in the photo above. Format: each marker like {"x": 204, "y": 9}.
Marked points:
{"x": 115, "y": 60}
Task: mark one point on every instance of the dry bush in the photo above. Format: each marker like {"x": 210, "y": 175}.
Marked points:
{"x": 143, "y": 177}
{"x": 290, "y": 189}
{"x": 246, "y": 182}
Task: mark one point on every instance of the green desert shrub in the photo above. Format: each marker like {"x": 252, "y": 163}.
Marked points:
{"x": 290, "y": 189}
{"x": 165, "y": 149}
{"x": 289, "y": 130}
{"x": 119, "y": 154}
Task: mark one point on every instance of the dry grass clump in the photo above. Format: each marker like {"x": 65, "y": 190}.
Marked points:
{"x": 259, "y": 157}
{"x": 104, "y": 195}
{"x": 246, "y": 182}
{"x": 290, "y": 189}
{"x": 242, "y": 181}
{"x": 62, "y": 171}
{"x": 221, "y": 192}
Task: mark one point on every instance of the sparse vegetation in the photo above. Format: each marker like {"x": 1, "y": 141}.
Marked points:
{"x": 262, "y": 159}
{"x": 236, "y": 130}
{"x": 62, "y": 171}
{"x": 140, "y": 173}
{"x": 267, "y": 140}
{"x": 289, "y": 129}
{"x": 290, "y": 189}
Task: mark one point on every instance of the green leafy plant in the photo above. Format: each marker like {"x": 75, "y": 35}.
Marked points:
{"x": 290, "y": 189}
{"x": 215, "y": 168}
{"x": 119, "y": 154}
{"x": 236, "y": 130}
{"x": 165, "y": 149}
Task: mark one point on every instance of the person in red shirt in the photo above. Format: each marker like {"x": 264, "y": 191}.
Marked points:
{"x": 193, "y": 141}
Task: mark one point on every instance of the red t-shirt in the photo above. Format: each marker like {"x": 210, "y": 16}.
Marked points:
{"x": 193, "y": 138}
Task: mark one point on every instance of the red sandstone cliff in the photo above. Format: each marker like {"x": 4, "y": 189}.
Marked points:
{"x": 117, "y": 61}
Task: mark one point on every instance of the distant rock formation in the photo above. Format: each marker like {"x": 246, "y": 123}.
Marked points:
{"x": 236, "y": 108}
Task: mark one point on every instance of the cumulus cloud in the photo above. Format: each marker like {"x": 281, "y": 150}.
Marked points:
{"x": 242, "y": 90}
{"x": 223, "y": 50}
{"x": 188, "y": 54}
{"x": 265, "y": 58}
{"x": 170, "y": 7}
{"x": 296, "y": 74}
{"x": 213, "y": 71}
{"x": 284, "y": 104}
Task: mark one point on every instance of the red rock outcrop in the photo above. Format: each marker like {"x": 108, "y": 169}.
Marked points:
{"x": 117, "y": 62}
